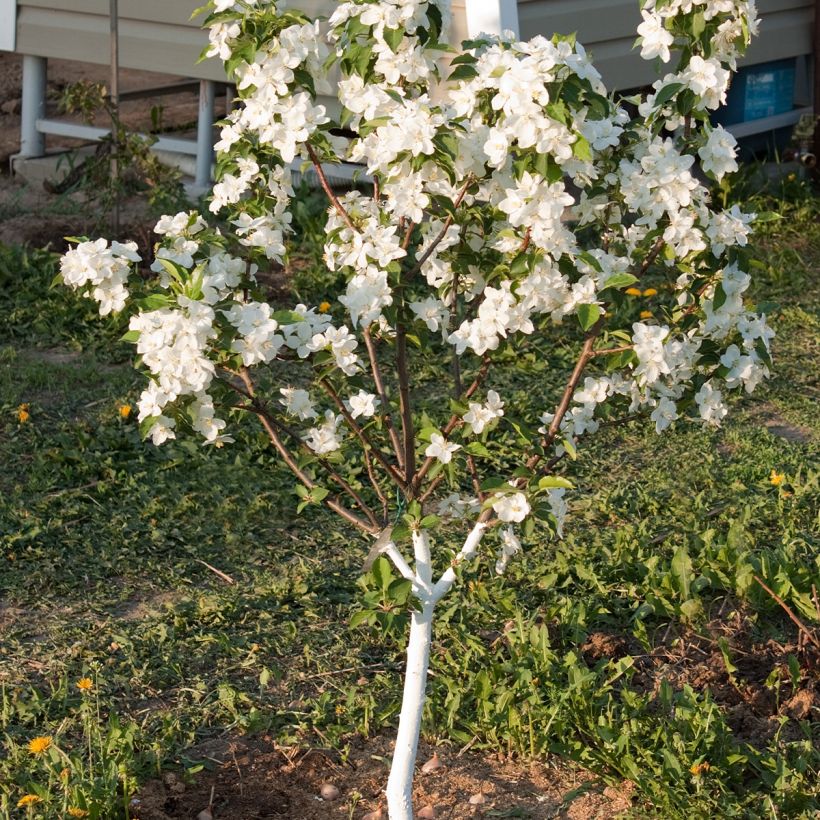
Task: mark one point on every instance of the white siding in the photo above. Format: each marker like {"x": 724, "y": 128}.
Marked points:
{"x": 8, "y": 28}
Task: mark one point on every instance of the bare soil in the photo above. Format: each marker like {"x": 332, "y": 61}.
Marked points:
{"x": 255, "y": 778}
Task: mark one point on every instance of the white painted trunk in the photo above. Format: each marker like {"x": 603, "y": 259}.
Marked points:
{"x": 400, "y": 782}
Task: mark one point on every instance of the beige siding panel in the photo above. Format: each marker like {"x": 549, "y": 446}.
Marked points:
{"x": 607, "y": 29}
{"x": 171, "y": 12}
{"x": 167, "y": 49}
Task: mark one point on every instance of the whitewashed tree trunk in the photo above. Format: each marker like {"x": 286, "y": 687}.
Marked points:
{"x": 400, "y": 782}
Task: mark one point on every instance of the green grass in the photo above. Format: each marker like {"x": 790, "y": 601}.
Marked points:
{"x": 104, "y": 537}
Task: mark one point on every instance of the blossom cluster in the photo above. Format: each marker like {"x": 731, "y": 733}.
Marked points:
{"x": 509, "y": 199}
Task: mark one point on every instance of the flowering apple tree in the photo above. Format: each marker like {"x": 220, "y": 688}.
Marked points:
{"x": 510, "y": 205}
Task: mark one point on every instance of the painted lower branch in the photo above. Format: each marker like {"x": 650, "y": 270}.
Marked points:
{"x": 442, "y": 586}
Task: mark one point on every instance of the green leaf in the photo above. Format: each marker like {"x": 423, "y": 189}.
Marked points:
{"x": 582, "y": 149}
{"x": 588, "y": 315}
{"x": 363, "y": 616}
{"x": 393, "y": 38}
{"x": 550, "y": 481}
{"x": 476, "y": 448}
{"x": 286, "y": 317}
{"x": 681, "y": 569}
{"x": 620, "y": 280}
{"x": 131, "y": 336}
{"x": 463, "y": 72}
{"x": 666, "y": 93}
{"x": 382, "y": 573}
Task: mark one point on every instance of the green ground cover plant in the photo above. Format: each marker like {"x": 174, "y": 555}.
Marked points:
{"x": 641, "y": 645}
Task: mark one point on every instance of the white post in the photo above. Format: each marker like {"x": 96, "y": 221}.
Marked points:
{"x": 32, "y": 141}
{"x": 204, "y": 134}
{"x": 491, "y": 16}
{"x": 400, "y": 783}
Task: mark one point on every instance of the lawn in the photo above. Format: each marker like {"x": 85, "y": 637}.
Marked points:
{"x": 180, "y": 586}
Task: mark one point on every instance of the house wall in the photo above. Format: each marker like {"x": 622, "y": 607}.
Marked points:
{"x": 78, "y": 30}
{"x": 607, "y": 29}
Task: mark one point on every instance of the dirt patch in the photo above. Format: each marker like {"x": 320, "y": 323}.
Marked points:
{"x": 767, "y": 415}
{"x": 144, "y": 607}
{"x": 255, "y": 778}
{"x": 757, "y": 681}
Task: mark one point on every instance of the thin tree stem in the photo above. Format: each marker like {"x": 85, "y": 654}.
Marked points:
{"x": 270, "y": 425}
{"x": 379, "y": 382}
{"x": 320, "y": 172}
{"x": 360, "y": 433}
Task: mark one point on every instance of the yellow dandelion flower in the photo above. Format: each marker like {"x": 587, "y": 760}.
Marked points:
{"x": 125, "y": 411}
{"x": 38, "y": 745}
{"x": 23, "y": 414}
{"x": 791, "y": 177}
{"x": 28, "y": 800}
{"x": 650, "y": 292}
{"x": 646, "y": 314}
{"x": 77, "y": 812}
{"x": 777, "y": 478}
{"x": 85, "y": 684}
{"x": 324, "y": 307}
{"x": 697, "y": 769}
{"x": 633, "y": 291}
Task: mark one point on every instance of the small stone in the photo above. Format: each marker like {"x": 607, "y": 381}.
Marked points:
{"x": 11, "y": 106}
{"x": 329, "y": 792}
{"x": 374, "y": 815}
{"x": 205, "y": 814}
{"x": 477, "y": 799}
{"x": 427, "y": 813}
{"x": 432, "y": 764}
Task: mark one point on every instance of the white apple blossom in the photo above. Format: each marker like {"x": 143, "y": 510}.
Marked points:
{"x": 297, "y": 402}
{"x": 511, "y": 507}
{"x": 362, "y": 404}
{"x": 325, "y": 438}
{"x": 441, "y": 449}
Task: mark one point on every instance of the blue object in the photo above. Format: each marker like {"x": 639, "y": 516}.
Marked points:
{"x": 759, "y": 91}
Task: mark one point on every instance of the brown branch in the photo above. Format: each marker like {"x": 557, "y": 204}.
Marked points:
{"x": 442, "y": 233}
{"x": 270, "y": 425}
{"x": 320, "y": 172}
{"x": 431, "y": 489}
{"x": 651, "y": 256}
{"x": 611, "y": 350}
{"x": 788, "y": 610}
{"x": 360, "y": 433}
{"x": 405, "y": 408}
{"x": 368, "y": 463}
{"x": 451, "y": 425}
{"x": 408, "y": 235}
{"x": 560, "y": 411}
{"x": 379, "y": 382}
{"x": 471, "y": 466}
